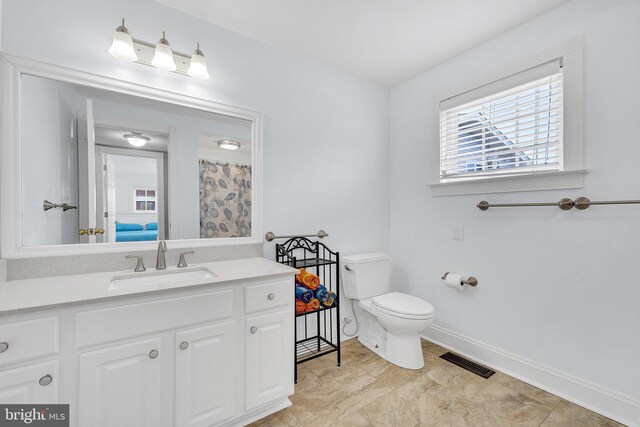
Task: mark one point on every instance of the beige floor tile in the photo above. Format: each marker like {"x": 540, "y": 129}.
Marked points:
{"x": 568, "y": 414}
{"x": 352, "y": 420}
{"x": 307, "y": 380}
{"x": 421, "y": 402}
{"x": 506, "y": 407}
{"x": 327, "y": 369}
{"x": 466, "y": 383}
{"x": 283, "y": 418}
{"x": 341, "y": 397}
{"x": 465, "y": 416}
{"x": 530, "y": 391}
{"x": 432, "y": 348}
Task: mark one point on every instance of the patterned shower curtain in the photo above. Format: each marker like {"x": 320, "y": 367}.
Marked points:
{"x": 225, "y": 199}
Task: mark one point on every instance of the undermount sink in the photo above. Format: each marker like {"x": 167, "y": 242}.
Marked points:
{"x": 160, "y": 278}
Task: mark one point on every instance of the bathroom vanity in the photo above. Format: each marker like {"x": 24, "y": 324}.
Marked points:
{"x": 198, "y": 350}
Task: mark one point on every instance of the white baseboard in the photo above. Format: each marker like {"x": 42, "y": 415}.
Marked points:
{"x": 616, "y": 406}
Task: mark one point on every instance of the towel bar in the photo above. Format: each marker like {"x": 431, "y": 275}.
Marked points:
{"x": 271, "y": 236}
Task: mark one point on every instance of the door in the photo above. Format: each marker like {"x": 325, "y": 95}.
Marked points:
{"x": 205, "y": 374}
{"x": 121, "y": 386}
{"x": 269, "y": 358}
{"x": 87, "y": 176}
{"x": 30, "y": 384}
{"x": 105, "y": 195}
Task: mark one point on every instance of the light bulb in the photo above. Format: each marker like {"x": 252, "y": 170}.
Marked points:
{"x": 198, "y": 65}
{"x": 122, "y": 46}
{"x": 227, "y": 144}
{"x": 163, "y": 58}
{"x": 136, "y": 139}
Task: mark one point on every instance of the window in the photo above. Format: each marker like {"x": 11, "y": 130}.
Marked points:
{"x": 144, "y": 199}
{"x": 515, "y": 128}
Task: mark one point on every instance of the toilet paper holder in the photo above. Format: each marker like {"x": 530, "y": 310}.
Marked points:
{"x": 471, "y": 281}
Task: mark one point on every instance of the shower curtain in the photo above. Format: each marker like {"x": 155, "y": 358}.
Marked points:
{"x": 225, "y": 199}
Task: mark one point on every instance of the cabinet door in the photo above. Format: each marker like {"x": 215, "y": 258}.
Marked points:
{"x": 30, "y": 384}
{"x": 206, "y": 374}
{"x": 269, "y": 358}
{"x": 120, "y": 386}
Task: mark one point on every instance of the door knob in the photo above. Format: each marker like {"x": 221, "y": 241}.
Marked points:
{"x": 184, "y": 345}
{"x": 254, "y": 329}
{"x": 153, "y": 354}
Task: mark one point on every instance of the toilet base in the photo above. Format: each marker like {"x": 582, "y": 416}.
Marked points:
{"x": 401, "y": 350}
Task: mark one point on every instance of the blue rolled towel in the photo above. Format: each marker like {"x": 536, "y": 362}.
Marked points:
{"x": 303, "y": 294}
{"x": 331, "y": 301}
{"x": 321, "y": 293}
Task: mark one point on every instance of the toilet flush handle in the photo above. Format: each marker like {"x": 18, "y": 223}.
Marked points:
{"x": 346, "y": 267}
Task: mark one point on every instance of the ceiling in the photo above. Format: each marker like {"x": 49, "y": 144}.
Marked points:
{"x": 386, "y": 41}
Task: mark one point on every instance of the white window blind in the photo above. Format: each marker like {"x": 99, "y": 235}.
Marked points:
{"x": 507, "y": 127}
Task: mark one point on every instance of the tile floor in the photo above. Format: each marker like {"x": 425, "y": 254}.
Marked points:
{"x": 369, "y": 391}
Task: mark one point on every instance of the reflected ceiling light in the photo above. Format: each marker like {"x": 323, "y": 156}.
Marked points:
{"x": 198, "y": 66}
{"x": 136, "y": 139}
{"x": 122, "y": 46}
{"x": 163, "y": 58}
{"x": 227, "y": 144}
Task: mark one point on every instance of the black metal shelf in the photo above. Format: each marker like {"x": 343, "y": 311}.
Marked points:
{"x": 316, "y": 332}
{"x": 311, "y": 262}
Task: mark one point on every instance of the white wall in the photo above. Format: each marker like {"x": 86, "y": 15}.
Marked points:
{"x": 325, "y": 132}
{"x": 556, "y": 288}
{"x": 50, "y": 153}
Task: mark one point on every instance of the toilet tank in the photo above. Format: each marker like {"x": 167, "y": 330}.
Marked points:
{"x": 365, "y": 275}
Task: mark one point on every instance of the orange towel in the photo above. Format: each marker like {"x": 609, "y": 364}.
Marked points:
{"x": 300, "y": 307}
{"x": 308, "y": 280}
{"x": 312, "y": 305}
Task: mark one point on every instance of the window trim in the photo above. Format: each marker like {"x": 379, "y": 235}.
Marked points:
{"x": 572, "y": 173}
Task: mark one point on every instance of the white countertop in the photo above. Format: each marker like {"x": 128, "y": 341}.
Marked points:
{"x": 20, "y": 296}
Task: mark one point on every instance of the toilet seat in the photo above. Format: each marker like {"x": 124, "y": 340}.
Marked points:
{"x": 402, "y": 305}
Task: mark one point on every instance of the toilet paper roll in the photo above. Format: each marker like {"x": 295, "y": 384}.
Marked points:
{"x": 454, "y": 281}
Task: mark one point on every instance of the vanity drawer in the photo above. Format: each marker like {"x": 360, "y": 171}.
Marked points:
{"x": 27, "y": 340}
{"x": 126, "y": 321}
{"x": 268, "y": 295}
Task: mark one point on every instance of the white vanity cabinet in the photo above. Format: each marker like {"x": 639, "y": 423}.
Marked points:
{"x": 212, "y": 355}
{"x": 27, "y": 343}
{"x": 269, "y": 358}
{"x": 206, "y": 366}
{"x": 120, "y": 385}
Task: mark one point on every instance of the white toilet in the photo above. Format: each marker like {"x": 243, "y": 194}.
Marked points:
{"x": 389, "y": 321}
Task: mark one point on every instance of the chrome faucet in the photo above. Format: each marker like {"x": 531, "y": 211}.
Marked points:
{"x": 160, "y": 261}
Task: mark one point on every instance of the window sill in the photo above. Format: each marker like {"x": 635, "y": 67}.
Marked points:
{"x": 508, "y": 184}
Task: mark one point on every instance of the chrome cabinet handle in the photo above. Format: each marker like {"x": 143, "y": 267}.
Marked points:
{"x": 153, "y": 354}
{"x": 4, "y": 346}
{"x": 184, "y": 345}
{"x": 46, "y": 380}
{"x": 254, "y": 329}
{"x": 272, "y": 296}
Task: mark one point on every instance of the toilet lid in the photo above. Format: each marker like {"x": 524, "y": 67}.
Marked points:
{"x": 403, "y": 304}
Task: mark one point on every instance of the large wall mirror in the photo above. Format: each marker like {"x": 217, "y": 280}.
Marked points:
{"x": 107, "y": 163}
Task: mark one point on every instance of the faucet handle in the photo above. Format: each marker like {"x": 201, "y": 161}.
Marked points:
{"x": 182, "y": 263}
{"x": 139, "y": 265}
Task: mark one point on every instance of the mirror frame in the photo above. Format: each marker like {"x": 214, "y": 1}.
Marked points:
{"x": 11, "y": 69}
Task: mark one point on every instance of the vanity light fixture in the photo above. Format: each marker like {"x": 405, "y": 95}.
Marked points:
{"x": 122, "y": 46}
{"x": 227, "y": 144}
{"x": 136, "y": 139}
{"x": 163, "y": 58}
{"x": 159, "y": 55}
{"x": 198, "y": 66}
